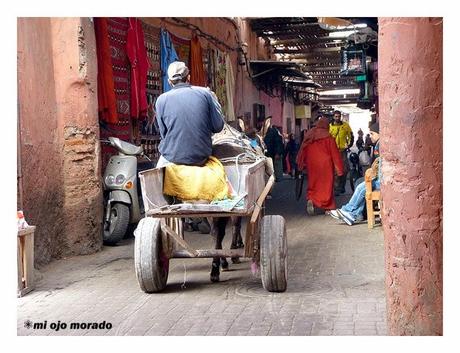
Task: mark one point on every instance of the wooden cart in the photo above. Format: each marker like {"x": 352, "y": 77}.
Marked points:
{"x": 159, "y": 236}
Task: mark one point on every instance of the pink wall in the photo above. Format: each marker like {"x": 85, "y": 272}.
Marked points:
{"x": 59, "y": 135}
{"x": 288, "y": 112}
{"x": 410, "y": 93}
{"x": 75, "y": 63}
{"x": 42, "y": 181}
{"x": 273, "y": 107}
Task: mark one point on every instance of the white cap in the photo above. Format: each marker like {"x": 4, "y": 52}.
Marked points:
{"x": 177, "y": 71}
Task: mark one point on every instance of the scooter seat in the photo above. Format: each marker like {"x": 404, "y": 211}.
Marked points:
{"x": 125, "y": 147}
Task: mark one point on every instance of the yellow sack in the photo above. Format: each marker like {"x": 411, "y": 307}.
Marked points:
{"x": 196, "y": 183}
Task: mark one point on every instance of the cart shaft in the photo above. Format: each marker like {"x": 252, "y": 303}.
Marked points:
{"x": 209, "y": 253}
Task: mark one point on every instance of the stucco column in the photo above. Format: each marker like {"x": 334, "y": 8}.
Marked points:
{"x": 410, "y": 93}
{"x": 75, "y": 72}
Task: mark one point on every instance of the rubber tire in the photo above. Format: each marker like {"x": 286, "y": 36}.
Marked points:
{"x": 151, "y": 269}
{"x": 120, "y": 226}
{"x": 273, "y": 253}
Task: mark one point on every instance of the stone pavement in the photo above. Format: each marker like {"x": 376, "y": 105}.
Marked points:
{"x": 335, "y": 287}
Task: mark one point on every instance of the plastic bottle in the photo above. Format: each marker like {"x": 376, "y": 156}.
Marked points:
{"x": 21, "y": 220}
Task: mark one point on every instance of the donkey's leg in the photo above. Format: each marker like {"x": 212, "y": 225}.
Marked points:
{"x": 217, "y": 230}
{"x": 237, "y": 241}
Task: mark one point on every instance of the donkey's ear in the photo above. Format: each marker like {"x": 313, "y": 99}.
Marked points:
{"x": 241, "y": 123}
{"x": 266, "y": 125}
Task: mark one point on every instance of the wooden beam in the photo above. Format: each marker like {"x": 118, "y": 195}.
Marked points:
{"x": 313, "y": 69}
{"x": 279, "y": 21}
{"x": 299, "y": 58}
{"x": 330, "y": 88}
{"x": 178, "y": 239}
{"x": 329, "y": 83}
{"x": 300, "y": 41}
{"x": 307, "y": 50}
{"x": 274, "y": 27}
{"x": 209, "y": 253}
{"x": 338, "y": 101}
{"x": 334, "y": 62}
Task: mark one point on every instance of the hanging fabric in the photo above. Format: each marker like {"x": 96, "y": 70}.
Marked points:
{"x": 230, "y": 88}
{"x": 168, "y": 55}
{"x": 152, "y": 43}
{"x": 182, "y": 47}
{"x": 220, "y": 77}
{"x": 197, "y": 74}
{"x": 107, "y": 103}
{"x": 118, "y": 33}
{"x": 137, "y": 55}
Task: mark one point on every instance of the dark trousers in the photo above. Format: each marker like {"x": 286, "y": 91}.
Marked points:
{"x": 340, "y": 181}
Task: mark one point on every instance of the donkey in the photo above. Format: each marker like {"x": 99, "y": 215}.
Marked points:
{"x": 218, "y": 224}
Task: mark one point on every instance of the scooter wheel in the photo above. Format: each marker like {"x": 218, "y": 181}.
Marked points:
{"x": 118, "y": 224}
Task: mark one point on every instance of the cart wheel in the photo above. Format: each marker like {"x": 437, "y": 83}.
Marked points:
{"x": 150, "y": 263}
{"x": 273, "y": 253}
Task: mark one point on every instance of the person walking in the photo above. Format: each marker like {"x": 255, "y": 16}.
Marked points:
{"x": 368, "y": 144}
{"x": 292, "y": 148}
{"x": 343, "y": 136}
{"x": 320, "y": 157}
{"x": 360, "y": 140}
{"x": 275, "y": 149}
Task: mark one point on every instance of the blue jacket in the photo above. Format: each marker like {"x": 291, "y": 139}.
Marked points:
{"x": 187, "y": 117}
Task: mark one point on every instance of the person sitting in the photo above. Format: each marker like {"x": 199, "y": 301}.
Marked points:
{"x": 187, "y": 117}
{"x": 352, "y": 212}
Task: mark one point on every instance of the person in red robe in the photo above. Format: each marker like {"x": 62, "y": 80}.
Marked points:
{"x": 320, "y": 157}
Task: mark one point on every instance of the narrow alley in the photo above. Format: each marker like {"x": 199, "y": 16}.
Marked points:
{"x": 335, "y": 286}
{"x": 125, "y": 125}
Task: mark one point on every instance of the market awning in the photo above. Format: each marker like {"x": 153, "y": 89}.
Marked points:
{"x": 266, "y": 69}
{"x": 303, "y": 83}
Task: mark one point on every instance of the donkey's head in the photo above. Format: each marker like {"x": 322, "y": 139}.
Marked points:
{"x": 262, "y": 132}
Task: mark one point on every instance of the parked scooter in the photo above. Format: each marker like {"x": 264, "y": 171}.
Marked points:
{"x": 122, "y": 200}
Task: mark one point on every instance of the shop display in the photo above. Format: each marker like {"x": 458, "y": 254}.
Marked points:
{"x": 229, "y": 88}
{"x": 182, "y": 47}
{"x": 168, "y": 55}
{"x": 117, "y": 31}
{"x": 218, "y": 73}
{"x": 139, "y": 65}
{"x": 197, "y": 73}
{"x": 107, "y": 104}
{"x": 149, "y": 132}
{"x": 353, "y": 62}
